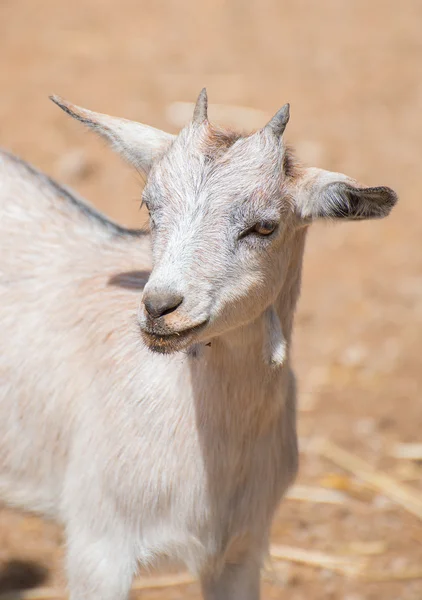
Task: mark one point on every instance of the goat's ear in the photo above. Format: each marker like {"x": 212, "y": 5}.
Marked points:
{"x": 139, "y": 144}
{"x": 323, "y": 194}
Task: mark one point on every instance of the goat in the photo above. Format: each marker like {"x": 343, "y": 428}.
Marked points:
{"x": 164, "y": 430}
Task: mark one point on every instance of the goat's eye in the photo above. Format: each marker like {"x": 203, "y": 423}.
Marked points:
{"x": 264, "y": 228}
{"x": 260, "y": 229}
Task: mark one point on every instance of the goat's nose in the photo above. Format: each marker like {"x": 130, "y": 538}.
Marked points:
{"x": 159, "y": 304}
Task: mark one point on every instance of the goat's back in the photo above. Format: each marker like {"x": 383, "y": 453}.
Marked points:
{"x": 69, "y": 280}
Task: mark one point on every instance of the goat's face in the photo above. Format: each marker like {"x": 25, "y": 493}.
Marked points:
{"x": 224, "y": 213}
{"x": 221, "y": 221}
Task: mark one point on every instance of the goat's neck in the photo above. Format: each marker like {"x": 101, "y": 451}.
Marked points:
{"x": 232, "y": 379}
{"x": 285, "y": 304}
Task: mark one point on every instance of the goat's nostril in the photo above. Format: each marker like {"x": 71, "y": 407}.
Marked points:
{"x": 157, "y": 305}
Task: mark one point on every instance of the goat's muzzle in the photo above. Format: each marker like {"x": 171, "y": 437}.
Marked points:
{"x": 160, "y": 338}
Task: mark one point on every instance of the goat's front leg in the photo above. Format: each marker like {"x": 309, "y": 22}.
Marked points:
{"x": 99, "y": 567}
{"x": 236, "y": 582}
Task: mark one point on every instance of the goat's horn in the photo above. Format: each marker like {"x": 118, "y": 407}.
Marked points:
{"x": 200, "y": 113}
{"x": 279, "y": 121}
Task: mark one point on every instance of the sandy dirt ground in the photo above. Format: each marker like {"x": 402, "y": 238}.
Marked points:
{"x": 352, "y": 71}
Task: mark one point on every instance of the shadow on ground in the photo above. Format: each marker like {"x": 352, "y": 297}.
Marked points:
{"x": 19, "y": 575}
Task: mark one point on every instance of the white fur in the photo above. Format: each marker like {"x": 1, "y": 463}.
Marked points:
{"x": 146, "y": 457}
{"x": 276, "y": 348}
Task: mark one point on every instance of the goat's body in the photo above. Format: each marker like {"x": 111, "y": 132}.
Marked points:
{"x": 139, "y": 455}
{"x": 146, "y": 457}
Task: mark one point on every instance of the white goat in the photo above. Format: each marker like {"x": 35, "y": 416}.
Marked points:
{"x": 166, "y": 432}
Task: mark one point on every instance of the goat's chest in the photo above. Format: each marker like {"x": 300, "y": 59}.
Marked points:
{"x": 215, "y": 497}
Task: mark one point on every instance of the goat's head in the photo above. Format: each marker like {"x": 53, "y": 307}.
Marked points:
{"x": 224, "y": 210}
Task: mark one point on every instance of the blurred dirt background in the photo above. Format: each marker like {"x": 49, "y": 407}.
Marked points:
{"x": 352, "y": 71}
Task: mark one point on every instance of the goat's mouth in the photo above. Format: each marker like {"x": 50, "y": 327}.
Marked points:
{"x": 171, "y": 341}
